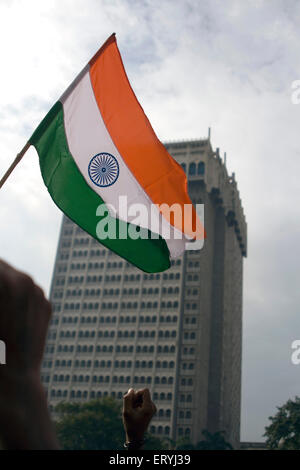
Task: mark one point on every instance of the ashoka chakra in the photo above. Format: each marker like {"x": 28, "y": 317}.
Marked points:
{"x": 103, "y": 169}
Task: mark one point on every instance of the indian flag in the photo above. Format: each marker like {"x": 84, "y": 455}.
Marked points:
{"x": 95, "y": 147}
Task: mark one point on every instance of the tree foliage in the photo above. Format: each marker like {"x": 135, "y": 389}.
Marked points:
{"x": 97, "y": 425}
{"x": 94, "y": 425}
{"x": 211, "y": 441}
{"x": 284, "y": 430}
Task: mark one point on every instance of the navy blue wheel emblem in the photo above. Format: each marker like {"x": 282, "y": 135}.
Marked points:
{"x": 103, "y": 169}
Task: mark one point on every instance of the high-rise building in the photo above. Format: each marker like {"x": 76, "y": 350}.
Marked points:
{"x": 178, "y": 332}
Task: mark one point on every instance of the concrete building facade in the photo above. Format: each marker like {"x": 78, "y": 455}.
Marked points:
{"x": 179, "y": 333}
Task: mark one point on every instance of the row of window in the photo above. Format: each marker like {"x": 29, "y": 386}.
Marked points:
{"x": 185, "y": 414}
{"x": 79, "y": 279}
{"x": 190, "y": 306}
{"x": 94, "y": 265}
{"x": 121, "y": 334}
{"x": 86, "y": 292}
{"x": 163, "y": 413}
{"x": 117, "y": 364}
{"x": 188, "y": 365}
{"x": 121, "y": 349}
{"x": 109, "y": 265}
{"x": 79, "y": 231}
{"x": 189, "y": 335}
{"x": 60, "y": 281}
{"x": 79, "y": 253}
{"x": 191, "y": 254}
{"x": 122, "y": 319}
{"x": 116, "y": 292}
{"x": 188, "y": 351}
{"x": 84, "y": 348}
{"x": 185, "y": 432}
{"x": 77, "y": 266}
{"x": 193, "y": 264}
{"x": 117, "y": 278}
{"x": 66, "y": 243}
{"x": 109, "y": 334}
{"x": 192, "y": 292}
{"x": 98, "y": 252}
{"x": 165, "y": 276}
{"x": 123, "y": 305}
{"x": 68, "y": 231}
{"x": 149, "y": 364}
{"x": 186, "y": 382}
{"x": 194, "y": 169}
{"x": 62, "y": 268}
{"x": 96, "y": 279}
{"x": 82, "y": 241}
{"x": 106, "y": 379}
{"x": 58, "y": 294}
{"x": 188, "y": 398}
{"x": 97, "y": 292}
{"x": 160, "y": 430}
{"x": 192, "y": 277}
{"x": 190, "y": 320}
{"x": 132, "y": 277}
{"x": 99, "y": 394}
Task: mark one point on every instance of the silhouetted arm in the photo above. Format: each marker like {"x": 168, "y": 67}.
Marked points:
{"x": 24, "y": 316}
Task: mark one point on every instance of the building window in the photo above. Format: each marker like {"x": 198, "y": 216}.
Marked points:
{"x": 192, "y": 169}
{"x": 201, "y": 168}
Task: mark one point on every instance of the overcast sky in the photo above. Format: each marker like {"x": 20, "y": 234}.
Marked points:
{"x": 193, "y": 64}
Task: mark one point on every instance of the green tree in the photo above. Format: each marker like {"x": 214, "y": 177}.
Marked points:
{"x": 95, "y": 425}
{"x": 211, "y": 441}
{"x": 284, "y": 430}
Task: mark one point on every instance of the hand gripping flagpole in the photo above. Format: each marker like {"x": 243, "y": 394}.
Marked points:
{"x": 14, "y": 163}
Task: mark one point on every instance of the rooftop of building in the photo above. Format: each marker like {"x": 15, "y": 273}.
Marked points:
{"x": 253, "y": 446}
{"x": 222, "y": 186}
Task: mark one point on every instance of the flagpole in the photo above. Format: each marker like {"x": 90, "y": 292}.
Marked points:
{"x": 14, "y": 163}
